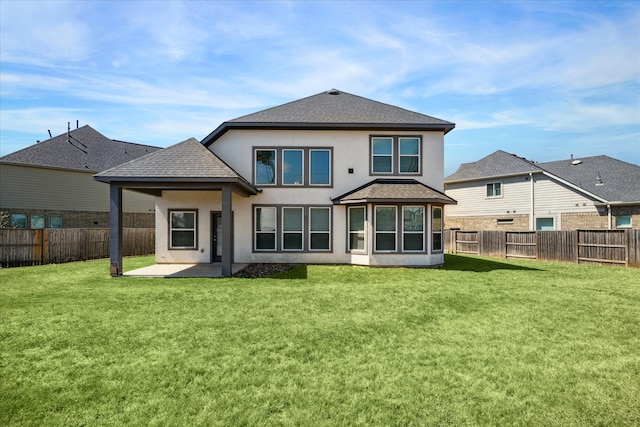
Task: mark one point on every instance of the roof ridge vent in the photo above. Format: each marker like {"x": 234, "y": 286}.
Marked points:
{"x": 333, "y": 92}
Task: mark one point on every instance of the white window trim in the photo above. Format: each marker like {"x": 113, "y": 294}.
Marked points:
{"x": 375, "y": 231}
{"x": 275, "y": 167}
{"x": 194, "y": 229}
{"x": 311, "y": 208}
{"x": 419, "y": 156}
{"x": 493, "y": 184}
{"x": 373, "y": 138}
{"x": 301, "y": 232}
{"x": 413, "y": 232}
{"x": 311, "y": 184}
{"x": 300, "y": 184}
{"x": 434, "y": 232}
{"x": 625, "y": 226}
{"x": 274, "y": 232}
{"x": 363, "y": 231}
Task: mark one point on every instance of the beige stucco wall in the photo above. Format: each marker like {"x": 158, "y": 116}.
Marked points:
{"x": 350, "y": 150}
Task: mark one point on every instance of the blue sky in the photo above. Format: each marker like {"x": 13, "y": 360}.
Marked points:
{"x": 540, "y": 79}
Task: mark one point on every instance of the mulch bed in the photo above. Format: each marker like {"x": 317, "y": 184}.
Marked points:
{"x": 256, "y": 271}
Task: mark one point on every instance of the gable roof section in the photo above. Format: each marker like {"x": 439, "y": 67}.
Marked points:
{"x": 393, "y": 191}
{"x": 187, "y": 162}
{"x": 82, "y": 149}
{"x": 333, "y": 110}
{"x": 495, "y": 165}
{"x": 608, "y": 178}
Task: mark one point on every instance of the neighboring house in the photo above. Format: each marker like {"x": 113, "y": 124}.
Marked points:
{"x": 50, "y": 184}
{"x": 332, "y": 178}
{"x": 506, "y": 192}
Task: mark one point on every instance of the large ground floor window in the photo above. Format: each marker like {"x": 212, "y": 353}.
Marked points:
{"x": 182, "y": 229}
{"x": 395, "y": 228}
{"x": 292, "y": 228}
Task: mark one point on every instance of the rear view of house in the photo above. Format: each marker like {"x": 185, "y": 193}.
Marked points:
{"x": 505, "y": 192}
{"x": 332, "y": 178}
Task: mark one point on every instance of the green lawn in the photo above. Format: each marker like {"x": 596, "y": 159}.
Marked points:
{"x": 480, "y": 342}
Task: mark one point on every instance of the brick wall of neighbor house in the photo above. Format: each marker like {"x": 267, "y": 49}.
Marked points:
{"x": 80, "y": 219}
{"x": 473, "y": 223}
{"x": 600, "y": 220}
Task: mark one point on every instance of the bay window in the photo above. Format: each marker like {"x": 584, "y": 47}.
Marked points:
{"x": 356, "y": 228}
{"x": 385, "y": 228}
{"x": 413, "y": 228}
{"x": 436, "y": 229}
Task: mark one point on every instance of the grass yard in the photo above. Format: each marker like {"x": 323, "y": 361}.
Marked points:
{"x": 480, "y": 342}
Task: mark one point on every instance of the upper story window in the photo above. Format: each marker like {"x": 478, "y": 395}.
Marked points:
{"x": 395, "y": 155}
{"x": 494, "y": 189}
{"x": 284, "y": 167}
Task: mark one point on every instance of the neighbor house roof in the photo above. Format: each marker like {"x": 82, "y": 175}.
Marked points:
{"x": 498, "y": 164}
{"x": 393, "y": 191}
{"x": 82, "y": 149}
{"x": 611, "y": 179}
{"x": 187, "y": 163}
{"x": 333, "y": 109}
{"x": 606, "y": 178}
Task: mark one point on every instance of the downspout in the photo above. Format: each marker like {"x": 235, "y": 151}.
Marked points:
{"x": 609, "y": 216}
{"x": 532, "y": 213}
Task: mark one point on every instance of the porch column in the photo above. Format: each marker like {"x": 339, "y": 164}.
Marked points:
{"x": 115, "y": 227}
{"x": 227, "y": 232}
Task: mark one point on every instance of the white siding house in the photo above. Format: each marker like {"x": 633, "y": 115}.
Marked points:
{"x": 593, "y": 192}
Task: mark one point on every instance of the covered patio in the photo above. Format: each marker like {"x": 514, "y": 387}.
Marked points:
{"x": 187, "y": 166}
{"x": 182, "y": 270}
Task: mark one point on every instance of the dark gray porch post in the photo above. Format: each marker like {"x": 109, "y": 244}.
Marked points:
{"x": 227, "y": 232}
{"x": 115, "y": 227}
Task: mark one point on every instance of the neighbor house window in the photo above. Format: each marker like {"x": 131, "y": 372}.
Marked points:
{"x": 266, "y": 167}
{"x": 265, "y": 229}
{"x": 292, "y": 167}
{"x": 494, "y": 189}
{"x": 292, "y": 230}
{"x": 545, "y": 224}
{"x": 395, "y": 155}
{"x": 436, "y": 229}
{"x": 385, "y": 228}
{"x": 413, "y": 228}
{"x": 303, "y": 166}
{"x": 55, "y": 221}
{"x": 356, "y": 228}
{"x": 182, "y": 229}
{"x": 37, "y": 221}
{"x": 319, "y": 229}
{"x": 319, "y": 167}
{"x": 623, "y": 221}
{"x": 19, "y": 220}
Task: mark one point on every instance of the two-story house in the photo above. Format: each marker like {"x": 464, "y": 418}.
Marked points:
{"x": 331, "y": 178}
{"x": 505, "y": 192}
{"x": 50, "y": 184}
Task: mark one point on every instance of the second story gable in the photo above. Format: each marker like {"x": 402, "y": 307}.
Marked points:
{"x": 332, "y": 140}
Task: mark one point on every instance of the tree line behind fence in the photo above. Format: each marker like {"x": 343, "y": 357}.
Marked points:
{"x": 611, "y": 247}
{"x": 53, "y": 246}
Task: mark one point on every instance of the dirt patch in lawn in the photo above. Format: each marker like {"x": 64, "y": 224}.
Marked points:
{"x": 256, "y": 271}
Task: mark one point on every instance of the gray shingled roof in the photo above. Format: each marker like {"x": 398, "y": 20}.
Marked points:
{"x": 187, "y": 160}
{"x": 494, "y": 165}
{"x": 604, "y": 176}
{"x": 83, "y": 149}
{"x": 333, "y": 109}
{"x": 608, "y": 178}
{"x": 394, "y": 191}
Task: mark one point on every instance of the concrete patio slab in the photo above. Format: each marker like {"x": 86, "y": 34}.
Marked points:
{"x": 182, "y": 270}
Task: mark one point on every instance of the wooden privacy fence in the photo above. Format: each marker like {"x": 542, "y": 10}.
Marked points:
{"x": 52, "y": 246}
{"x": 616, "y": 247}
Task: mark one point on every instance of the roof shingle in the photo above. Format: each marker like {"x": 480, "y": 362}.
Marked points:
{"x": 394, "y": 191}
{"x": 82, "y": 149}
